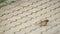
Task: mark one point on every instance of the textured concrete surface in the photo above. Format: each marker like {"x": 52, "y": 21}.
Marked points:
{"x": 21, "y": 17}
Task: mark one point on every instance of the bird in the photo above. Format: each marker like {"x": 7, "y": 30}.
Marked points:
{"x": 43, "y": 23}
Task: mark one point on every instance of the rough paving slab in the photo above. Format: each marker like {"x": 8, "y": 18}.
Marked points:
{"x": 21, "y": 18}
